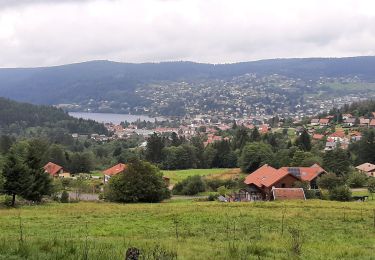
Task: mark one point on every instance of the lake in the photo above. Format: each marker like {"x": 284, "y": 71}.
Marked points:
{"x": 112, "y": 118}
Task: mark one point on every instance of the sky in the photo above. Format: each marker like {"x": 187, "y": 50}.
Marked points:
{"x": 53, "y": 32}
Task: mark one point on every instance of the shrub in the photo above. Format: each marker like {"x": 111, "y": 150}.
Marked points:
{"x": 340, "y": 193}
{"x": 212, "y": 197}
{"x": 222, "y": 190}
{"x": 64, "y": 197}
{"x": 330, "y": 181}
{"x": 140, "y": 182}
{"x": 190, "y": 186}
{"x": 357, "y": 180}
{"x": 371, "y": 186}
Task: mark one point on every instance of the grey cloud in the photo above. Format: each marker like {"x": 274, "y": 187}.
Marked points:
{"x": 215, "y": 31}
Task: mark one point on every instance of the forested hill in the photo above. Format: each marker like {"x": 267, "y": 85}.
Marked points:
{"x": 18, "y": 117}
{"x": 105, "y": 79}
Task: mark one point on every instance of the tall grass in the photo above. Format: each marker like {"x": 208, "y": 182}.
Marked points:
{"x": 190, "y": 230}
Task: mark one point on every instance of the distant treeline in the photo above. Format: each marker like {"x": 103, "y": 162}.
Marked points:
{"x": 17, "y": 118}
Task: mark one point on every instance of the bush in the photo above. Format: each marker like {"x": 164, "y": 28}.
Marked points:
{"x": 330, "y": 181}
{"x": 340, "y": 193}
{"x": 190, "y": 186}
{"x": 214, "y": 184}
{"x": 222, "y": 190}
{"x": 357, "y": 180}
{"x": 309, "y": 194}
{"x": 212, "y": 197}
{"x": 140, "y": 182}
{"x": 64, "y": 197}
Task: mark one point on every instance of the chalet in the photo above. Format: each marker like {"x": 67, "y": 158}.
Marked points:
{"x": 260, "y": 183}
{"x": 318, "y": 137}
{"x": 349, "y": 122}
{"x": 288, "y": 194}
{"x": 56, "y": 170}
{"x": 330, "y": 145}
{"x": 337, "y": 136}
{"x": 307, "y": 174}
{"x": 314, "y": 121}
{"x": 324, "y": 122}
{"x": 364, "y": 121}
{"x": 346, "y": 116}
{"x": 367, "y": 168}
{"x": 355, "y": 136}
{"x": 114, "y": 170}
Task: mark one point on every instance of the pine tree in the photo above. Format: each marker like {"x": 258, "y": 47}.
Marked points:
{"x": 16, "y": 173}
{"x": 304, "y": 141}
{"x": 255, "y": 135}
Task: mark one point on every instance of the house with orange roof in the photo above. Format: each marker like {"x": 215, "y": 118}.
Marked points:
{"x": 337, "y": 136}
{"x": 56, "y": 170}
{"x": 367, "y": 168}
{"x": 318, "y": 137}
{"x": 114, "y": 170}
{"x": 324, "y": 121}
{"x": 260, "y": 183}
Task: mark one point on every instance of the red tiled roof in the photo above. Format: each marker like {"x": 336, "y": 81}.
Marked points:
{"x": 265, "y": 176}
{"x": 307, "y": 173}
{"x": 52, "y": 168}
{"x": 288, "y": 194}
{"x": 366, "y": 167}
{"x": 338, "y": 134}
{"x": 324, "y": 121}
{"x": 318, "y": 136}
{"x": 118, "y": 168}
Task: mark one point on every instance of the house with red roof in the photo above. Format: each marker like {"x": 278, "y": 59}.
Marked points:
{"x": 114, "y": 170}
{"x": 367, "y": 168}
{"x": 55, "y": 170}
{"x": 324, "y": 121}
{"x": 318, "y": 137}
{"x": 260, "y": 183}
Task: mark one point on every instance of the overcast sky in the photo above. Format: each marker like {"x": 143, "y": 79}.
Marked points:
{"x": 52, "y": 32}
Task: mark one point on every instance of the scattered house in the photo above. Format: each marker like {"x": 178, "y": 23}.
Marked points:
{"x": 307, "y": 174}
{"x": 367, "y": 168}
{"x": 324, "y": 122}
{"x": 372, "y": 123}
{"x": 330, "y": 145}
{"x": 114, "y": 170}
{"x": 288, "y": 194}
{"x": 346, "y": 116}
{"x": 337, "y": 136}
{"x": 355, "y": 136}
{"x": 349, "y": 122}
{"x": 364, "y": 121}
{"x": 318, "y": 137}
{"x": 314, "y": 121}
{"x": 261, "y": 182}
{"x": 56, "y": 170}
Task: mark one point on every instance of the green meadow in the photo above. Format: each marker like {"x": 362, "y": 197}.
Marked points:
{"x": 179, "y": 175}
{"x": 313, "y": 229}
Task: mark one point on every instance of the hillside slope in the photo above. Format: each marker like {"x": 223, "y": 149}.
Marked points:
{"x": 82, "y": 81}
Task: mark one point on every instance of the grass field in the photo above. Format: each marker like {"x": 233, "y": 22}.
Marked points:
{"x": 179, "y": 175}
{"x": 191, "y": 230}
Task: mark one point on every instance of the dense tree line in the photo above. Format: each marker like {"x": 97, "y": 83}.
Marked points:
{"x": 27, "y": 119}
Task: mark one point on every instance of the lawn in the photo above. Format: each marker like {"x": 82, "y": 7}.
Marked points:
{"x": 191, "y": 230}
{"x": 179, "y": 175}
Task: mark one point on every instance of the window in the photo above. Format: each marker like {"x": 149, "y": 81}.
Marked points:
{"x": 282, "y": 185}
